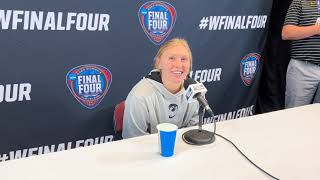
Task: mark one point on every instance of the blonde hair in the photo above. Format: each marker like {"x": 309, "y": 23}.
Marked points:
{"x": 166, "y": 45}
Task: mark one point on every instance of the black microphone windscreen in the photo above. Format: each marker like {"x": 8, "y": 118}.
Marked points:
{"x": 188, "y": 81}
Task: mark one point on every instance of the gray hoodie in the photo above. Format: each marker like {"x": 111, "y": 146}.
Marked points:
{"x": 150, "y": 103}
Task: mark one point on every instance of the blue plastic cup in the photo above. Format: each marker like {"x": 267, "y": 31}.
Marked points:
{"x": 167, "y": 138}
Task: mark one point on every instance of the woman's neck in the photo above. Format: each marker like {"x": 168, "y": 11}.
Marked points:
{"x": 173, "y": 88}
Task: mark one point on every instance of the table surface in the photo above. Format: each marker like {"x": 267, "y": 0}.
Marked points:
{"x": 285, "y": 143}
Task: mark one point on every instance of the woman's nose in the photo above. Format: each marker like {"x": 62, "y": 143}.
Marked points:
{"x": 177, "y": 63}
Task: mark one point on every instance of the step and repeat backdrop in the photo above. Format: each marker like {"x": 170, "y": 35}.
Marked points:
{"x": 66, "y": 64}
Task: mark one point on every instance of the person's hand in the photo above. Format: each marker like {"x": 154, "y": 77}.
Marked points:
{"x": 317, "y": 25}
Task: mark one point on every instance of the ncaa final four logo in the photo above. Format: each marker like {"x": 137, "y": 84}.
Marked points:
{"x": 248, "y": 67}
{"x": 157, "y": 19}
{"x": 89, "y": 84}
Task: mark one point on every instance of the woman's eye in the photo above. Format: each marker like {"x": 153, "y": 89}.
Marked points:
{"x": 184, "y": 59}
{"x": 171, "y": 58}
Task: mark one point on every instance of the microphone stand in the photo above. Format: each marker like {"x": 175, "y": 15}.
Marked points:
{"x": 199, "y": 136}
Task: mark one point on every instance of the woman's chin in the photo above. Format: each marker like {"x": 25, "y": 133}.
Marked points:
{"x": 178, "y": 80}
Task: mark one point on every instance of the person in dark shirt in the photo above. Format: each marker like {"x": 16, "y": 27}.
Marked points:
{"x": 302, "y": 26}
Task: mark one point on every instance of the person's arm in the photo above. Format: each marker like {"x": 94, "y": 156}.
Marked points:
{"x": 294, "y": 32}
{"x": 135, "y": 118}
{"x": 292, "y": 29}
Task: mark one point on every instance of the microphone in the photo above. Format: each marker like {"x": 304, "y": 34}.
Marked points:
{"x": 196, "y": 91}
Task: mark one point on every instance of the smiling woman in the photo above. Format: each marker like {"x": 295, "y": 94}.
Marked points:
{"x": 158, "y": 97}
{"x": 174, "y": 61}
